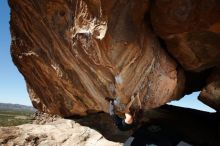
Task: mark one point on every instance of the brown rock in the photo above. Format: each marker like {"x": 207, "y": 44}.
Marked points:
{"x": 42, "y": 118}
{"x": 191, "y": 30}
{"x": 73, "y": 54}
{"x": 210, "y": 94}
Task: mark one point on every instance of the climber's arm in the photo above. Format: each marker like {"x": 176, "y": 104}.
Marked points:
{"x": 122, "y": 124}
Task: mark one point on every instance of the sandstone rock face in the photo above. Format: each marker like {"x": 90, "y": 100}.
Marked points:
{"x": 210, "y": 94}
{"x": 73, "y": 54}
{"x": 191, "y": 31}
{"x": 59, "y": 133}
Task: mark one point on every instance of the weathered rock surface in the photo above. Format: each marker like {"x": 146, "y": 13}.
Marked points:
{"x": 162, "y": 125}
{"x": 73, "y": 54}
{"x": 190, "y": 29}
{"x": 101, "y": 122}
{"x": 191, "y": 32}
{"x": 210, "y": 94}
{"x": 58, "y": 133}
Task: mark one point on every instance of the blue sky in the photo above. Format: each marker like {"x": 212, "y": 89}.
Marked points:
{"x": 12, "y": 84}
{"x": 191, "y": 101}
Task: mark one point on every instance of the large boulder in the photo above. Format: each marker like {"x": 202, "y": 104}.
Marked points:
{"x": 61, "y": 132}
{"x": 190, "y": 29}
{"x": 73, "y": 54}
{"x": 210, "y": 94}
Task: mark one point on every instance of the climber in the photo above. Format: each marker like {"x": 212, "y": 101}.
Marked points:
{"x": 128, "y": 122}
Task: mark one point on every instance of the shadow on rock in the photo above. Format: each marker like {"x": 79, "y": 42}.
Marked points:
{"x": 103, "y": 123}
{"x": 165, "y": 126}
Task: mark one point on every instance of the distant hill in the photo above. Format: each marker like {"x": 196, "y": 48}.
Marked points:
{"x": 15, "y": 114}
{"x": 17, "y": 107}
